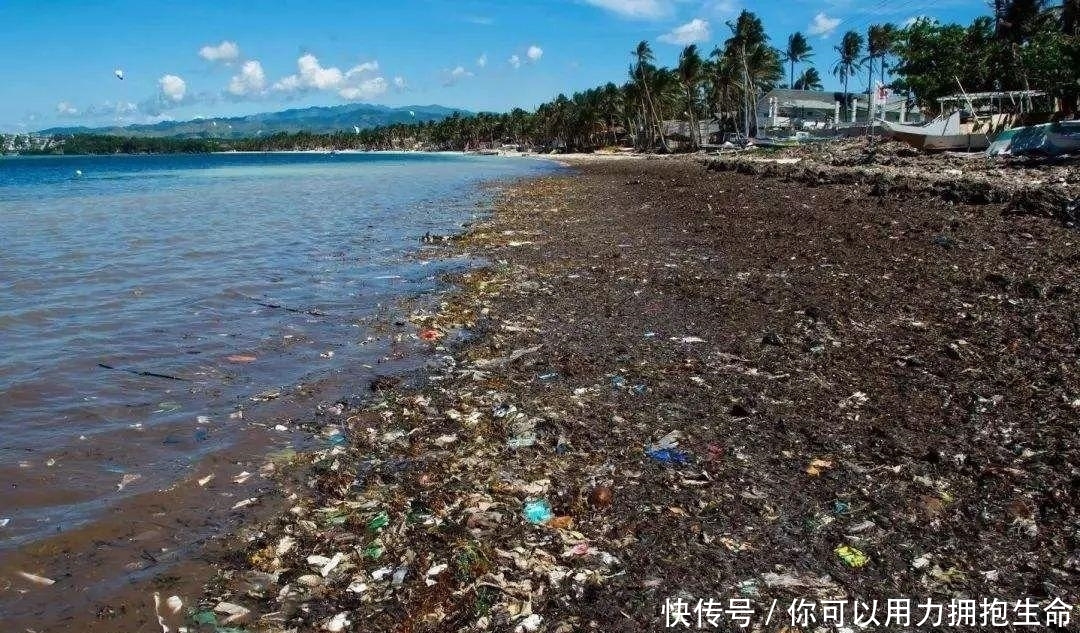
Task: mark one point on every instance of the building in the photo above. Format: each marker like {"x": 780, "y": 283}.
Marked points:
{"x": 818, "y": 109}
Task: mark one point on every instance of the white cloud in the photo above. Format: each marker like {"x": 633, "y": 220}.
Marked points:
{"x": 636, "y": 9}
{"x": 366, "y": 67}
{"x": 353, "y": 84}
{"x": 312, "y": 76}
{"x": 172, "y": 87}
{"x": 515, "y": 61}
{"x": 66, "y": 109}
{"x": 226, "y": 52}
{"x": 534, "y": 53}
{"x": 721, "y": 9}
{"x": 822, "y": 25}
{"x": 250, "y": 81}
{"x": 367, "y": 89}
{"x": 694, "y": 31}
{"x": 456, "y": 75}
{"x": 482, "y": 60}
{"x": 400, "y": 84}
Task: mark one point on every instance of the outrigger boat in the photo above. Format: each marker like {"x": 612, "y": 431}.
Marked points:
{"x": 974, "y": 120}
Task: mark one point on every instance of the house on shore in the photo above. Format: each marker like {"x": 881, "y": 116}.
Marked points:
{"x": 823, "y": 110}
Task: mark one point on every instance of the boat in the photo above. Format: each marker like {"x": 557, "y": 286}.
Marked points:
{"x": 972, "y": 123}
{"x": 1048, "y": 139}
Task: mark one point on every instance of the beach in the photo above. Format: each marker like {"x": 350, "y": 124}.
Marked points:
{"x": 673, "y": 384}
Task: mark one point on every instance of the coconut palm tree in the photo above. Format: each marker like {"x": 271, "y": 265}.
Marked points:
{"x": 690, "y": 71}
{"x": 644, "y": 57}
{"x": 808, "y": 80}
{"x": 798, "y": 50}
{"x": 848, "y": 63}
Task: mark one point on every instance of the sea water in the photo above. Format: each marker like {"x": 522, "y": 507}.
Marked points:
{"x": 146, "y": 300}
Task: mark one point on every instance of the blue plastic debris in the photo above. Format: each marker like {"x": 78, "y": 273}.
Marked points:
{"x": 548, "y": 376}
{"x": 841, "y": 507}
{"x": 337, "y": 439}
{"x": 537, "y": 511}
{"x": 639, "y": 389}
{"x": 618, "y": 382}
{"x": 668, "y": 456}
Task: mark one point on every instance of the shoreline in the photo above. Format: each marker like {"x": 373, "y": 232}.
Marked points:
{"x": 683, "y": 382}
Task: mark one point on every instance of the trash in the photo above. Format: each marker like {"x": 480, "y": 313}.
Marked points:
{"x": 127, "y": 479}
{"x": 548, "y": 376}
{"x": 338, "y": 622}
{"x": 242, "y": 477}
{"x": 851, "y": 556}
{"x": 234, "y": 611}
{"x": 245, "y": 503}
{"x": 379, "y": 521}
{"x": 205, "y": 480}
{"x": 430, "y": 335}
{"x": 4, "y": 521}
{"x": 841, "y": 507}
{"x": 399, "y": 576}
{"x": 435, "y": 570}
{"x": 537, "y": 511}
{"x": 560, "y": 523}
{"x": 817, "y": 465}
{"x": 241, "y": 358}
{"x": 520, "y": 442}
{"x": 691, "y": 339}
{"x": 529, "y": 624}
{"x": 175, "y": 604}
{"x": 503, "y": 410}
{"x": 281, "y": 428}
{"x": 668, "y": 456}
{"x": 600, "y": 497}
{"x": 38, "y": 580}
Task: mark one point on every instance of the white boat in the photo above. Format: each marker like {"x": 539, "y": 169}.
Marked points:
{"x": 966, "y": 130}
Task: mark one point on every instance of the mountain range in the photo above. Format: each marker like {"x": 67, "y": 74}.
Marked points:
{"x": 317, "y": 119}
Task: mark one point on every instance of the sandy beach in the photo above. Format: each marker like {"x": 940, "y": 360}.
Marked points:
{"x": 677, "y": 383}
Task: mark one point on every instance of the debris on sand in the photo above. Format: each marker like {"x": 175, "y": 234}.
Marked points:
{"x": 874, "y": 416}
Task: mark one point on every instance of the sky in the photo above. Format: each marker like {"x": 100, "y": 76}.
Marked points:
{"x": 200, "y": 58}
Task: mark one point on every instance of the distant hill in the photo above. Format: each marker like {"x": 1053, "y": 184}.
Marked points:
{"x": 315, "y": 119}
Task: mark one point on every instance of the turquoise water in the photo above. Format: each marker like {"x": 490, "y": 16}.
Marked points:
{"x": 168, "y": 265}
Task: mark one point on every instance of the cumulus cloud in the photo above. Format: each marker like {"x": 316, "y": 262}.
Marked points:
{"x": 226, "y": 52}
{"x": 636, "y": 9}
{"x": 366, "y": 89}
{"x": 822, "y": 25}
{"x": 694, "y": 31}
{"x": 354, "y": 84}
{"x": 250, "y": 81}
{"x": 534, "y": 53}
{"x": 515, "y": 61}
{"x": 66, "y": 109}
{"x": 456, "y": 75}
{"x": 172, "y": 88}
{"x": 366, "y": 67}
{"x": 482, "y": 60}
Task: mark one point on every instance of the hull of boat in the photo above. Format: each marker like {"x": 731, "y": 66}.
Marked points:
{"x": 940, "y": 142}
{"x": 1048, "y": 139}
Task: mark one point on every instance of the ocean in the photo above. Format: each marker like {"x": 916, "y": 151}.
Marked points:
{"x": 148, "y": 302}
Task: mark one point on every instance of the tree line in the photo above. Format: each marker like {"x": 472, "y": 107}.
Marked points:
{"x": 1023, "y": 44}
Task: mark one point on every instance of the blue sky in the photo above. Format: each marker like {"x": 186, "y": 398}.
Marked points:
{"x": 211, "y": 58}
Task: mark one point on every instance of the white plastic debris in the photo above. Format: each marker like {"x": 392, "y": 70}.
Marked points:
{"x": 234, "y": 611}
{"x": 175, "y": 604}
{"x": 530, "y": 623}
{"x": 37, "y": 580}
{"x": 435, "y": 570}
{"x": 127, "y": 479}
{"x": 338, "y": 622}
{"x": 245, "y": 503}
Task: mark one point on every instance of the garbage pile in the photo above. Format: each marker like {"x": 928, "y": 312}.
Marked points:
{"x": 682, "y": 388}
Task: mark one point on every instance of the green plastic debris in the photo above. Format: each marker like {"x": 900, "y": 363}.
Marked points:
{"x": 205, "y": 617}
{"x": 852, "y": 556}
{"x": 380, "y": 521}
{"x": 373, "y": 551}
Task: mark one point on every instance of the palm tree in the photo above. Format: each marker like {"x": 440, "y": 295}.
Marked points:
{"x": 850, "y": 49}
{"x": 808, "y": 80}
{"x": 748, "y": 47}
{"x": 798, "y": 50}
{"x": 690, "y": 69}
{"x": 644, "y": 56}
